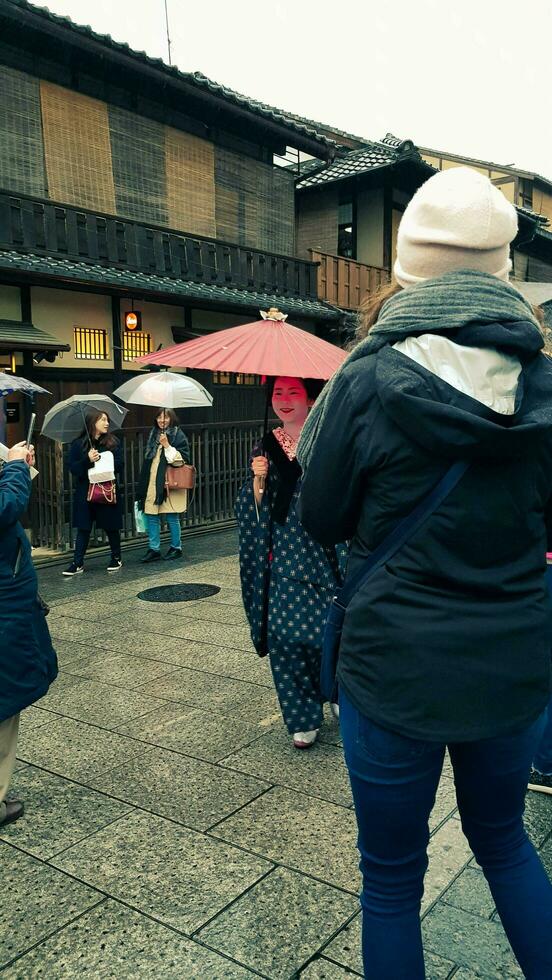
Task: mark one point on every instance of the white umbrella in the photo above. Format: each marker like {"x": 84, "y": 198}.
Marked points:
{"x": 164, "y": 389}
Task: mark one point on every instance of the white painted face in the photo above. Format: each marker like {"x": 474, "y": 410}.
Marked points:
{"x": 290, "y": 401}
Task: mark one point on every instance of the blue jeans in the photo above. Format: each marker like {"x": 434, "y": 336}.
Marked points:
{"x": 153, "y": 524}
{"x": 543, "y": 758}
{"x": 394, "y": 781}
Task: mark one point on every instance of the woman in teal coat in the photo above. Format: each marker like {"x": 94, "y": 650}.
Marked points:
{"x": 28, "y": 662}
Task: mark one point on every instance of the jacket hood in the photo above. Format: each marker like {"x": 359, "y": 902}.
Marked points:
{"x": 443, "y": 419}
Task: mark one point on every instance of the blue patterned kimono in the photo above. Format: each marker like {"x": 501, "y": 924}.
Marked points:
{"x": 287, "y": 583}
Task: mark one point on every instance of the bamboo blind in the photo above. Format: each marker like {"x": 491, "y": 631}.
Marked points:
{"x": 21, "y": 151}
{"x": 138, "y": 154}
{"x": 77, "y": 150}
{"x": 190, "y": 168}
{"x": 253, "y": 203}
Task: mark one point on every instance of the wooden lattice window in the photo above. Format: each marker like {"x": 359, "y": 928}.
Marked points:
{"x": 90, "y": 344}
{"x": 135, "y": 344}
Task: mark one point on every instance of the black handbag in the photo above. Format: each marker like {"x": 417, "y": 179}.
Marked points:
{"x": 382, "y": 554}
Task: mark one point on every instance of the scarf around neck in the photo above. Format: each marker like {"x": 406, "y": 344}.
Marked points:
{"x": 152, "y": 444}
{"x": 439, "y": 305}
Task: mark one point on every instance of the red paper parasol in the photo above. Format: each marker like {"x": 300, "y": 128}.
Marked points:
{"x": 268, "y": 347}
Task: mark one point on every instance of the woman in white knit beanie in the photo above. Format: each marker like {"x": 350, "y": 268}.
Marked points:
{"x": 447, "y": 643}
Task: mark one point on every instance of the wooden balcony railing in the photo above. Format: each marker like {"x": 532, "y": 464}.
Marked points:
{"x": 42, "y": 227}
{"x": 344, "y": 282}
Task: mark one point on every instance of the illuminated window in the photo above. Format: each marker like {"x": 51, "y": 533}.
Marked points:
{"x": 135, "y": 344}
{"x": 90, "y": 344}
{"x": 7, "y": 363}
{"x": 228, "y": 378}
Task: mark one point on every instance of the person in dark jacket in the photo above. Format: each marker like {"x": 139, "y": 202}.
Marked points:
{"x": 448, "y": 644}
{"x": 108, "y": 517}
{"x": 167, "y": 446}
{"x": 28, "y": 662}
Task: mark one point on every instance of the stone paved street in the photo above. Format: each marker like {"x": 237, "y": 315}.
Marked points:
{"x": 172, "y": 831}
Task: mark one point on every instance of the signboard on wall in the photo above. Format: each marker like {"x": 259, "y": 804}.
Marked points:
{"x": 12, "y": 412}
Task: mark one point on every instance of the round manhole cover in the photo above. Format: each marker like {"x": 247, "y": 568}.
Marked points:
{"x": 178, "y": 593}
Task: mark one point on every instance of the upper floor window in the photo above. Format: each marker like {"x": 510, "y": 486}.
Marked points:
{"x": 90, "y": 344}
{"x": 526, "y": 193}
{"x": 346, "y": 231}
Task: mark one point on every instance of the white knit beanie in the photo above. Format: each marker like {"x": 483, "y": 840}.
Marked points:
{"x": 457, "y": 220}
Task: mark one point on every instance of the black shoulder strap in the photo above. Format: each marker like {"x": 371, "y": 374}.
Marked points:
{"x": 401, "y": 533}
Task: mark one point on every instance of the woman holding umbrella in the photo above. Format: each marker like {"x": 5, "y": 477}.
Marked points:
{"x": 287, "y": 578}
{"x": 107, "y": 515}
{"x": 166, "y": 446}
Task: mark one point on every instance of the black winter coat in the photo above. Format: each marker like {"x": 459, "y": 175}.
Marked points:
{"x": 28, "y": 662}
{"x": 107, "y": 517}
{"x": 450, "y": 641}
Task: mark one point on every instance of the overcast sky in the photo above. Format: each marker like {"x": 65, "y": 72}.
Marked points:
{"x": 472, "y": 76}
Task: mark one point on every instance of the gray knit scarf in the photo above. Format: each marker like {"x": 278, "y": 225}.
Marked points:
{"x": 435, "y": 306}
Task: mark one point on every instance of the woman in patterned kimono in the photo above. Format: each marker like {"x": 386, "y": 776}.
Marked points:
{"x": 287, "y": 578}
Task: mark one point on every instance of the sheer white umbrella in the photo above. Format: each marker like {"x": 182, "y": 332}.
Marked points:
{"x": 67, "y": 420}
{"x": 164, "y": 389}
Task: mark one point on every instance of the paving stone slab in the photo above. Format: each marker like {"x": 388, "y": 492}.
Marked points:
{"x": 173, "y": 614}
{"x": 319, "y": 772}
{"x": 207, "y": 735}
{"x": 89, "y": 610}
{"x": 58, "y": 813}
{"x": 445, "y": 803}
{"x": 95, "y": 703}
{"x": 112, "y": 942}
{"x": 323, "y": 969}
{"x": 546, "y": 855}
{"x": 119, "y": 669}
{"x": 36, "y": 900}
{"x": 206, "y": 656}
{"x": 538, "y": 817}
{"x": 76, "y": 750}
{"x": 471, "y": 942}
{"x": 235, "y": 637}
{"x": 66, "y": 628}
{"x": 203, "y": 690}
{"x": 448, "y": 852}
{"x": 471, "y": 893}
{"x": 140, "y": 643}
{"x": 187, "y": 790}
{"x": 173, "y": 874}
{"x": 279, "y": 924}
{"x": 308, "y": 835}
{"x": 146, "y": 616}
{"x": 68, "y": 650}
{"x": 346, "y": 948}
{"x": 31, "y": 718}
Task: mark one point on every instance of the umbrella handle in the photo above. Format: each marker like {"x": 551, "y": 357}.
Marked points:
{"x": 261, "y": 484}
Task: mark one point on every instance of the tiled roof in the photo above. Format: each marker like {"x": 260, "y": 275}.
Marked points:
{"x": 196, "y": 79}
{"x": 82, "y": 272}
{"x": 18, "y": 335}
{"x": 370, "y": 157}
{"x": 486, "y": 163}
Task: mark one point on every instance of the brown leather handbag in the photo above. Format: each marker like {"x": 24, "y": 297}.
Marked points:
{"x": 180, "y": 477}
